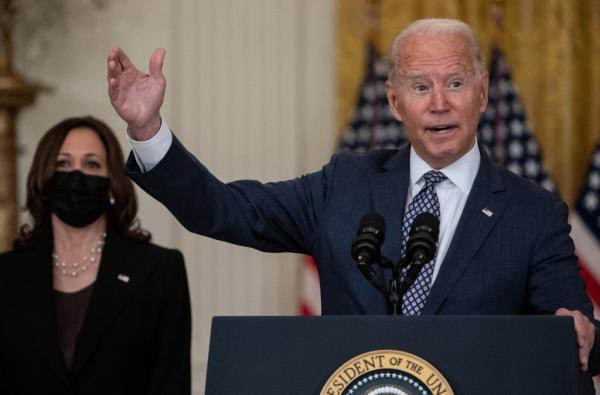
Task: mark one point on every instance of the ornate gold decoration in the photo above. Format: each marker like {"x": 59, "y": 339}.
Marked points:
{"x": 15, "y": 93}
{"x": 386, "y": 372}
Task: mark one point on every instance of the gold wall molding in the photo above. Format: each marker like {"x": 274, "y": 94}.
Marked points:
{"x": 15, "y": 94}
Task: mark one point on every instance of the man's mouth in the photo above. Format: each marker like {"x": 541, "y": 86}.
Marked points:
{"x": 440, "y": 128}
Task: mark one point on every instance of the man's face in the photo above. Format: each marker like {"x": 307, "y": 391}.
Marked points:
{"x": 438, "y": 95}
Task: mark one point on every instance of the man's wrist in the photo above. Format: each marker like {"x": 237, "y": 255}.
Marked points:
{"x": 149, "y": 152}
{"x": 146, "y": 131}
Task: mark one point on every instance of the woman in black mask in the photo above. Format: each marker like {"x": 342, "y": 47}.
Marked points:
{"x": 87, "y": 304}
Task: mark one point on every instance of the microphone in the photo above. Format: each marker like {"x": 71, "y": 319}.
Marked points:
{"x": 422, "y": 242}
{"x": 366, "y": 247}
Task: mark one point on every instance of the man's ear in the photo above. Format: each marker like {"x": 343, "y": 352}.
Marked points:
{"x": 393, "y": 100}
{"x": 485, "y": 82}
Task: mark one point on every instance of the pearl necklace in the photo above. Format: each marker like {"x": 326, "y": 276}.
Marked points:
{"x": 73, "y": 269}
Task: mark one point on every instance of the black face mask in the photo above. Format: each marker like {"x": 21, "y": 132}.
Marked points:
{"x": 78, "y": 199}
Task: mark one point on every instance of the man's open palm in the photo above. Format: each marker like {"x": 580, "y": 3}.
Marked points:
{"x": 137, "y": 97}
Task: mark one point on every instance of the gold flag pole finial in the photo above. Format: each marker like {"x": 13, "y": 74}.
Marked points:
{"x": 497, "y": 17}
{"x": 374, "y": 19}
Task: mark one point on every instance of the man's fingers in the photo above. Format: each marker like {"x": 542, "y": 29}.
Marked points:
{"x": 585, "y": 331}
{"x": 579, "y": 329}
{"x": 156, "y": 63}
{"x": 114, "y": 53}
{"x": 113, "y": 73}
{"x": 113, "y": 89}
{"x": 583, "y": 340}
{"x": 122, "y": 59}
{"x": 583, "y": 360}
{"x": 113, "y": 70}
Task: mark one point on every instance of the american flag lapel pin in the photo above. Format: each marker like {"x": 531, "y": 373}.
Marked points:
{"x": 123, "y": 277}
{"x": 487, "y": 212}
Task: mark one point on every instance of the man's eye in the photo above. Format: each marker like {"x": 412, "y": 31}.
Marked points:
{"x": 421, "y": 88}
{"x": 456, "y": 84}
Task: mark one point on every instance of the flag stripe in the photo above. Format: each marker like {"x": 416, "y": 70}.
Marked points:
{"x": 310, "y": 296}
{"x": 588, "y": 248}
{"x": 591, "y": 283}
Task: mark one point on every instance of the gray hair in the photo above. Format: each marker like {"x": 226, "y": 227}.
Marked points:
{"x": 437, "y": 26}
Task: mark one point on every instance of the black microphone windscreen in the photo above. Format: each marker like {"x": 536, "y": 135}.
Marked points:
{"x": 426, "y": 222}
{"x": 372, "y": 223}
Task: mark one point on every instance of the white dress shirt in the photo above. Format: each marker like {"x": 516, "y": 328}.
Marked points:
{"x": 452, "y": 194}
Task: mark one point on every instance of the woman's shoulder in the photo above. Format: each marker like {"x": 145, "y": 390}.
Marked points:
{"x": 146, "y": 249}
{"x": 164, "y": 266}
{"x": 8, "y": 259}
{"x": 148, "y": 245}
{"x": 24, "y": 251}
{"x": 22, "y": 261}
{"x": 8, "y": 255}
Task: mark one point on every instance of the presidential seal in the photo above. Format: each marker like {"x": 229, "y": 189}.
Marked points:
{"x": 386, "y": 372}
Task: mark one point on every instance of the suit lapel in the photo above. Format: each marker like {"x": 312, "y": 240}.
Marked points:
{"x": 110, "y": 296}
{"x": 389, "y": 198}
{"x": 473, "y": 228}
{"x": 34, "y": 297}
{"x": 389, "y": 190}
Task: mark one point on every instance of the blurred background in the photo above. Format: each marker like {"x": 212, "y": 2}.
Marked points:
{"x": 268, "y": 90}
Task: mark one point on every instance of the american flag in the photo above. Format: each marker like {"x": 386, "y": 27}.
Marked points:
{"x": 503, "y": 129}
{"x": 372, "y": 124}
{"x": 586, "y": 229}
{"x": 585, "y": 222}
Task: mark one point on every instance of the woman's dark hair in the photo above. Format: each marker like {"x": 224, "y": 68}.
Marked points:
{"x": 122, "y": 214}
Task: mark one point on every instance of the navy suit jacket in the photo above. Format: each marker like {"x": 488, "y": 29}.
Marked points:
{"x": 519, "y": 260}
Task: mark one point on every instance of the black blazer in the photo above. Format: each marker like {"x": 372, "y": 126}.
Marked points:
{"x": 135, "y": 338}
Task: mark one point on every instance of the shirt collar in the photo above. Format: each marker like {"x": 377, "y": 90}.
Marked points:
{"x": 462, "y": 173}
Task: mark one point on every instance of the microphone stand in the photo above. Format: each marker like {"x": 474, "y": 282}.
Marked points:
{"x": 367, "y": 270}
{"x": 396, "y": 293}
{"x": 398, "y": 286}
{"x": 395, "y": 297}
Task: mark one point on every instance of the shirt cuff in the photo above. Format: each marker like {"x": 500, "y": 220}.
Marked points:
{"x": 148, "y": 153}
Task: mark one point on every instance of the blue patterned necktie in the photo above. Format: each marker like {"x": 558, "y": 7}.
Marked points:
{"x": 425, "y": 201}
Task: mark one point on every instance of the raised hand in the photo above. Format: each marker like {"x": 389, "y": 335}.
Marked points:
{"x": 136, "y": 96}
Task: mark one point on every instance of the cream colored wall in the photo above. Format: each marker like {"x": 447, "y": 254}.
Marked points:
{"x": 250, "y": 92}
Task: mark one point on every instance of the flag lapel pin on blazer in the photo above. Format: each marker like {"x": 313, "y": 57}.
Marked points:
{"x": 123, "y": 277}
{"x": 487, "y": 212}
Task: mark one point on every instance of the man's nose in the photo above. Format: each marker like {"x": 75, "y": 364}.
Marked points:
{"x": 439, "y": 100}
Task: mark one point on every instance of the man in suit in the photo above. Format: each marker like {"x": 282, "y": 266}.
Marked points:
{"x": 504, "y": 245}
